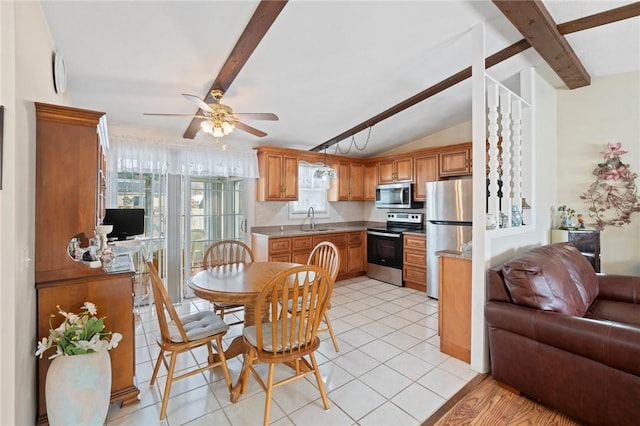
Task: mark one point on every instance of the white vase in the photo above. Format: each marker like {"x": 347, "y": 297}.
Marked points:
{"x": 78, "y": 389}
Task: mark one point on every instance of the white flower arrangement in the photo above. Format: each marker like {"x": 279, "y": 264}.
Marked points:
{"x": 78, "y": 334}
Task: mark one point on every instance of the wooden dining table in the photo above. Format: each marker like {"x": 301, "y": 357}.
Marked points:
{"x": 237, "y": 284}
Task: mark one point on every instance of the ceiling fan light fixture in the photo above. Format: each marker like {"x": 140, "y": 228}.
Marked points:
{"x": 227, "y": 127}
{"x": 217, "y": 132}
{"x": 206, "y": 126}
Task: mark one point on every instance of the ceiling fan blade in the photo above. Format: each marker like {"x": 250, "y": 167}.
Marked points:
{"x": 174, "y": 115}
{"x": 260, "y": 22}
{"x": 257, "y": 116}
{"x": 249, "y": 129}
{"x": 199, "y": 102}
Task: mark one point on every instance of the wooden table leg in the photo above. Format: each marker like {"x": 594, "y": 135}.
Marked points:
{"x": 241, "y": 385}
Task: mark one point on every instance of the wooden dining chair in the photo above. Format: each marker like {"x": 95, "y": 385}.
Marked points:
{"x": 287, "y": 338}
{"x": 181, "y": 334}
{"x": 226, "y": 252}
{"x": 326, "y": 256}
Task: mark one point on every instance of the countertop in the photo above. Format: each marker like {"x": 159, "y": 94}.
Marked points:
{"x": 454, "y": 254}
{"x": 322, "y": 228}
{"x": 421, "y": 232}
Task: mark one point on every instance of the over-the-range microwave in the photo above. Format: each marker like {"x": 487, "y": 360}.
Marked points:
{"x": 396, "y": 196}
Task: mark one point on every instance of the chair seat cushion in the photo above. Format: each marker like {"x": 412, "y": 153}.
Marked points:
{"x": 197, "y": 326}
{"x": 250, "y": 333}
{"x": 613, "y": 310}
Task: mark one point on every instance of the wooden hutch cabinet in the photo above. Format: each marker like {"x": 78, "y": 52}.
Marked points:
{"x": 70, "y": 193}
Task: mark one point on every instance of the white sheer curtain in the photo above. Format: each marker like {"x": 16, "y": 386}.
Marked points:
{"x": 148, "y": 155}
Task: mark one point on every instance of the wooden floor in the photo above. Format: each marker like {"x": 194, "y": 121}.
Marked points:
{"x": 484, "y": 402}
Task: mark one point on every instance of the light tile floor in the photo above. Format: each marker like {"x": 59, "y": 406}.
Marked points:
{"x": 389, "y": 370}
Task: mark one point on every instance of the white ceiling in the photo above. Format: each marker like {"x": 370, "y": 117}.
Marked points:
{"x": 323, "y": 67}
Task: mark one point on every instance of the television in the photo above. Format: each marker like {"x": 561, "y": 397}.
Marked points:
{"x": 126, "y": 223}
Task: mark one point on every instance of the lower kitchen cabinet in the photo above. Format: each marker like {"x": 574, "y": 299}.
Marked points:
{"x": 414, "y": 264}
{"x": 351, "y": 249}
{"x": 454, "y": 307}
{"x": 355, "y": 252}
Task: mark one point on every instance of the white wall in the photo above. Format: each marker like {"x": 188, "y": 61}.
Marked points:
{"x": 25, "y": 76}
{"x": 273, "y": 213}
{"x": 588, "y": 118}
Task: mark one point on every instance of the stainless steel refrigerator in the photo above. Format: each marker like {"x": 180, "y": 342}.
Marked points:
{"x": 448, "y": 216}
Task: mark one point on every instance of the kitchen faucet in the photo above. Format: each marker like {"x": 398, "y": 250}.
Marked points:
{"x": 312, "y": 214}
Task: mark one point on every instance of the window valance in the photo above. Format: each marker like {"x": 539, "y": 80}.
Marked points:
{"x": 149, "y": 155}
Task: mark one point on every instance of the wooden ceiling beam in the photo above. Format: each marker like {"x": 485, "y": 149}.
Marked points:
{"x": 260, "y": 22}
{"x": 535, "y": 23}
{"x": 592, "y": 21}
{"x": 598, "y": 19}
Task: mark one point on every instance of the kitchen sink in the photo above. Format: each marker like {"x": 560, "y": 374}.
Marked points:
{"x": 318, "y": 230}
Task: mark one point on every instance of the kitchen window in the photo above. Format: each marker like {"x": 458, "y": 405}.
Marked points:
{"x": 312, "y": 192}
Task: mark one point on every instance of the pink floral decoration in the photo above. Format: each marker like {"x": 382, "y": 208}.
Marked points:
{"x": 614, "y": 151}
{"x": 613, "y": 196}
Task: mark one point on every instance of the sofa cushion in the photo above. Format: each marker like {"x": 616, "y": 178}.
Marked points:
{"x": 554, "y": 277}
{"x": 614, "y": 310}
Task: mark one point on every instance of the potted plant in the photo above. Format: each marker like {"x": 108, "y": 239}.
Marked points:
{"x": 566, "y": 216}
{"x": 78, "y": 383}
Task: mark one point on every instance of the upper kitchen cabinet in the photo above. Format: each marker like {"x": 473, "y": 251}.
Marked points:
{"x": 426, "y": 170}
{"x": 397, "y": 169}
{"x": 370, "y": 181}
{"x": 278, "y": 179}
{"x": 455, "y": 160}
{"x": 350, "y": 185}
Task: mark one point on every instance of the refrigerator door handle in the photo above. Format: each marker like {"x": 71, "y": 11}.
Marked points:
{"x": 449, "y": 222}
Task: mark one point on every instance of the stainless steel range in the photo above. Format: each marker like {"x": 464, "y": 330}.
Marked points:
{"x": 384, "y": 246}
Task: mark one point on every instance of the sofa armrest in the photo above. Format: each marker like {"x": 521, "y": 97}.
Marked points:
{"x": 622, "y": 288}
{"x": 607, "y": 342}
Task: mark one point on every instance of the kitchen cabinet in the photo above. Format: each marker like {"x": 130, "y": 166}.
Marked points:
{"x": 350, "y": 182}
{"x": 396, "y": 169}
{"x": 370, "y": 181}
{"x": 69, "y": 201}
{"x": 278, "y": 179}
{"x": 585, "y": 240}
{"x": 355, "y": 251}
{"x": 455, "y": 161}
{"x": 301, "y": 249}
{"x": 454, "y": 306}
{"x": 414, "y": 263}
{"x": 351, "y": 248}
{"x": 426, "y": 170}
{"x": 340, "y": 241}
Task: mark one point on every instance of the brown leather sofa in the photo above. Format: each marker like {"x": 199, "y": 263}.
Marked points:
{"x": 566, "y": 336}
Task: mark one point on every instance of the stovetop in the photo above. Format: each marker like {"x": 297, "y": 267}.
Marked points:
{"x": 397, "y": 223}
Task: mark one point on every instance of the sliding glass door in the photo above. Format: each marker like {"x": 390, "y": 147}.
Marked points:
{"x": 214, "y": 211}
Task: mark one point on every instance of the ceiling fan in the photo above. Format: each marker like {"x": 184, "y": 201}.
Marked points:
{"x": 218, "y": 119}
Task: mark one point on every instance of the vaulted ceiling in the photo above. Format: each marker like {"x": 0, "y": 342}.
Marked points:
{"x": 328, "y": 70}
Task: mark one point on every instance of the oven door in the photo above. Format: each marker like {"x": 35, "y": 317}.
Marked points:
{"x": 384, "y": 249}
